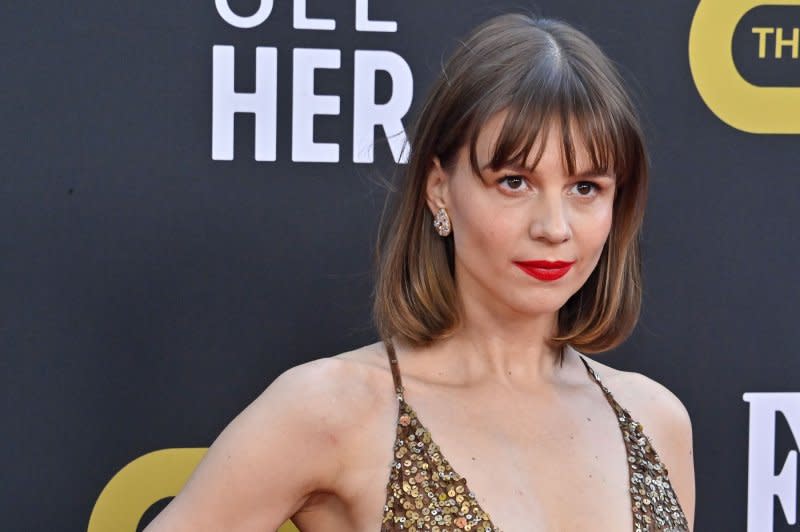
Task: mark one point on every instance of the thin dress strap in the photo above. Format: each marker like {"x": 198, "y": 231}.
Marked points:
{"x": 609, "y": 396}
{"x": 398, "y": 382}
{"x": 594, "y": 376}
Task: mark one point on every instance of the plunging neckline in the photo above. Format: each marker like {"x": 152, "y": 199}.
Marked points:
{"x": 404, "y": 407}
{"x": 438, "y": 490}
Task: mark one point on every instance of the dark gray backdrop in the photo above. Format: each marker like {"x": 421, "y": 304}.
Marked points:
{"x": 148, "y": 292}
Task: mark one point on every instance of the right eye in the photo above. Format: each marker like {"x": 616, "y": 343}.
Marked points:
{"x": 513, "y": 182}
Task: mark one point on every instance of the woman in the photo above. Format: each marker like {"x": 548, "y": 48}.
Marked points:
{"x": 512, "y": 248}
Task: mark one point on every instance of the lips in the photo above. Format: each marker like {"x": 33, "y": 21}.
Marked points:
{"x": 545, "y": 270}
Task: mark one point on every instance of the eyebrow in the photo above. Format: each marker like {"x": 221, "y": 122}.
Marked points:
{"x": 591, "y": 172}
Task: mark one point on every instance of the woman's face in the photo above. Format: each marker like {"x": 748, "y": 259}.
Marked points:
{"x": 511, "y": 216}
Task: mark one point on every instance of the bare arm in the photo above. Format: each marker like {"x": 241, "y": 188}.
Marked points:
{"x": 268, "y": 460}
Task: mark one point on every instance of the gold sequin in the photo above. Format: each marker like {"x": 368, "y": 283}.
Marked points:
{"x": 441, "y": 501}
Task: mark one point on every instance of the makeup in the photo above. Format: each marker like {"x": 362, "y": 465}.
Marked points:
{"x": 545, "y": 270}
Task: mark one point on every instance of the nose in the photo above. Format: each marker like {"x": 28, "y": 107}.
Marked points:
{"x": 550, "y": 221}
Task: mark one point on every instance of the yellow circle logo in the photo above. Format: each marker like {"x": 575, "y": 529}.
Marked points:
{"x": 736, "y": 101}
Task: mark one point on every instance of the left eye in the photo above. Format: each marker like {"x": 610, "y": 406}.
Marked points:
{"x": 585, "y": 188}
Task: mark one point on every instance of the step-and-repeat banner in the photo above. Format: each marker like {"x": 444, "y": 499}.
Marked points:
{"x": 190, "y": 193}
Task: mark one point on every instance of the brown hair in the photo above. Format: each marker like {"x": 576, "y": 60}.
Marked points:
{"x": 542, "y": 71}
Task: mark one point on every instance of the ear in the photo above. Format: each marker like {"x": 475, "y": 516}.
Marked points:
{"x": 436, "y": 188}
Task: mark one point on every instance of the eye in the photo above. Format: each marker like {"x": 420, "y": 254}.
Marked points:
{"x": 513, "y": 182}
{"x": 586, "y": 188}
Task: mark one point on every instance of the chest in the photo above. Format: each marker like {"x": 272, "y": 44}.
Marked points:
{"x": 563, "y": 467}
{"x": 574, "y": 481}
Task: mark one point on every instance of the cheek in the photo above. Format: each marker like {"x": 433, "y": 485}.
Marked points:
{"x": 481, "y": 229}
{"x": 604, "y": 223}
{"x": 594, "y": 229}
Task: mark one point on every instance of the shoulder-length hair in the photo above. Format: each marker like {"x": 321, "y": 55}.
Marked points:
{"x": 542, "y": 72}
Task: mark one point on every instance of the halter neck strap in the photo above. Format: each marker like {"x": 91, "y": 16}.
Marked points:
{"x": 398, "y": 381}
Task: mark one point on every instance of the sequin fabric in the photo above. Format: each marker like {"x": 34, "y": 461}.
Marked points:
{"x": 425, "y": 493}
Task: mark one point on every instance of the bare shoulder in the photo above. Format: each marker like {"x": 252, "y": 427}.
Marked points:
{"x": 644, "y": 395}
{"x": 658, "y": 402}
{"x": 343, "y": 379}
{"x": 665, "y": 421}
{"x": 341, "y": 390}
{"x": 646, "y": 398}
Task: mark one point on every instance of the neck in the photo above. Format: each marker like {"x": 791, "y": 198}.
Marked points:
{"x": 505, "y": 347}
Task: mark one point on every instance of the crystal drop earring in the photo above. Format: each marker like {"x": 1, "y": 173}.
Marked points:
{"x": 441, "y": 222}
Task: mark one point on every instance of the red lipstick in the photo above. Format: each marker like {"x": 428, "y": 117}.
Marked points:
{"x": 545, "y": 270}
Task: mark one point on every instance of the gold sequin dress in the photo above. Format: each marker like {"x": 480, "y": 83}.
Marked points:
{"x": 425, "y": 493}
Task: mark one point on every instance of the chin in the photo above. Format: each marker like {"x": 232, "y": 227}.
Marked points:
{"x": 539, "y": 309}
